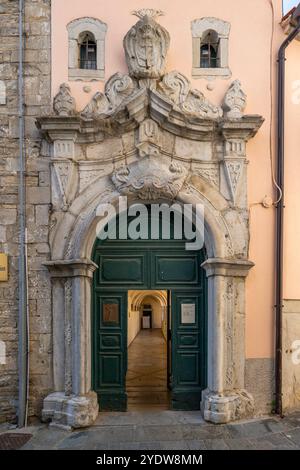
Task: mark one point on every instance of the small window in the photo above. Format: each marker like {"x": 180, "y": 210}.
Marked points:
{"x": 209, "y": 51}
{"x": 87, "y": 52}
{"x": 210, "y": 48}
{"x": 86, "y": 49}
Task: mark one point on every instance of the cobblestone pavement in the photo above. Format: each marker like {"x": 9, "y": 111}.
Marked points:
{"x": 168, "y": 430}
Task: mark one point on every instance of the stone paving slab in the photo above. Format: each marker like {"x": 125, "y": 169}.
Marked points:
{"x": 169, "y": 430}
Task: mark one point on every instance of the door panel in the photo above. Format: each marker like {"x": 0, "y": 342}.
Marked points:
{"x": 188, "y": 349}
{"x": 170, "y": 269}
{"x": 122, "y": 269}
{"x": 110, "y": 358}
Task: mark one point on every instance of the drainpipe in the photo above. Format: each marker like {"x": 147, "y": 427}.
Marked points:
{"x": 280, "y": 207}
{"x": 22, "y": 314}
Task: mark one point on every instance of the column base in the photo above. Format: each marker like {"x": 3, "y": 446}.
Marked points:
{"x": 221, "y": 408}
{"x": 70, "y": 412}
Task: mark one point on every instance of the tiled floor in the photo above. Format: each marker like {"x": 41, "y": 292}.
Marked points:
{"x": 146, "y": 380}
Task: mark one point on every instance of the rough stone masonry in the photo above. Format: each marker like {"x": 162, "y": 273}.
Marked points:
{"x": 37, "y": 60}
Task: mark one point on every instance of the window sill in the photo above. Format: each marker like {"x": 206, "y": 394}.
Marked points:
{"x": 198, "y": 72}
{"x": 86, "y": 75}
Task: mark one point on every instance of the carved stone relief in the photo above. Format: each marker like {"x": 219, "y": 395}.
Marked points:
{"x": 64, "y": 182}
{"x": 150, "y": 179}
{"x": 68, "y": 337}
{"x": 146, "y": 45}
{"x": 64, "y": 103}
{"x": 233, "y": 170}
{"x": 177, "y": 88}
{"x": 209, "y": 173}
{"x": 235, "y": 101}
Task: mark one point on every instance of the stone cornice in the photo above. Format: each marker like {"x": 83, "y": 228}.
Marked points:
{"x": 227, "y": 267}
{"x": 161, "y": 110}
{"x": 71, "y": 268}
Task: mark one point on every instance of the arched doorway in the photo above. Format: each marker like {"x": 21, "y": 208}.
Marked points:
{"x": 149, "y": 265}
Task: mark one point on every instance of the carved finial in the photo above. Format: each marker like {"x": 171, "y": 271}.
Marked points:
{"x": 64, "y": 103}
{"x": 148, "y": 12}
{"x": 146, "y": 45}
{"x": 235, "y": 101}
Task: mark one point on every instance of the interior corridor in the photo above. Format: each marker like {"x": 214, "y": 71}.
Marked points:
{"x": 146, "y": 380}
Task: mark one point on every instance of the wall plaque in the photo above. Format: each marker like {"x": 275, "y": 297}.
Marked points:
{"x": 3, "y": 267}
{"x": 188, "y": 313}
{"x": 111, "y": 313}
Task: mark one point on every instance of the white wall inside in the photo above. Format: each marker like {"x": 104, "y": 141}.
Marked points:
{"x": 136, "y": 300}
{"x": 134, "y": 323}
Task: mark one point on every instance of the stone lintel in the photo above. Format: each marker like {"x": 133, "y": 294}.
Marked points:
{"x": 71, "y": 268}
{"x": 227, "y": 267}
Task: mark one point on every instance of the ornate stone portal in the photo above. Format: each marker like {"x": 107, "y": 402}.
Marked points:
{"x": 152, "y": 137}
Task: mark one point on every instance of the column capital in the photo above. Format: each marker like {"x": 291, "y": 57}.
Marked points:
{"x": 71, "y": 268}
{"x": 227, "y": 267}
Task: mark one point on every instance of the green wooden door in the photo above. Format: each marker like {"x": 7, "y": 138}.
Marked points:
{"x": 143, "y": 265}
{"x": 188, "y": 371}
{"x": 110, "y": 355}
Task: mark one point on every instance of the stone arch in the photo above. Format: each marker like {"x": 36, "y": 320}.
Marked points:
{"x": 226, "y": 276}
{"x": 74, "y": 237}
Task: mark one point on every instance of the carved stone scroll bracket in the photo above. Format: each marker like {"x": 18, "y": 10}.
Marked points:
{"x": 225, "y": 399}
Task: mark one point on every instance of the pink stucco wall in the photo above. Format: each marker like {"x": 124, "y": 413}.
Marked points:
{"x": 249, "y": 58}
{"x": 292, "y": 175}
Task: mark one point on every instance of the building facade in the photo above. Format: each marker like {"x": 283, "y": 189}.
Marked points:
{"x": 174, "y": 108}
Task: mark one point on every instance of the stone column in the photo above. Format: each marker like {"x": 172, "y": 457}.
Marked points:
{"x": 225, "y": 399}
{"x": 73, "y": 404}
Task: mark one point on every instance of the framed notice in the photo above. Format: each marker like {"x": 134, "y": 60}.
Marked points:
{"x": 188, "y": 313}
{"x": 111, "y": 313}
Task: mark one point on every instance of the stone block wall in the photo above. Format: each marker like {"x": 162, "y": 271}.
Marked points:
{"x": 291, "y": 355}
{"x": 37, "y": 60}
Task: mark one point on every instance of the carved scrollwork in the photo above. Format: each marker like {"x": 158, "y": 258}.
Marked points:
{"x": 146, "y": 45}
{"x": 235, "y": 101}
{"x": 64, "y": 103}
{"x": 149, "y": 179}
{"x": 197, "y": 104}
{"x": 98, "y": 106}
{"x": 117, "y": 89}
{"x": 176, "y": 87}
{"x": 210, "y": 173}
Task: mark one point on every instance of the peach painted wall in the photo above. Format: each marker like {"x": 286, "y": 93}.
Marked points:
{"x": 249, "y": 59}
{"x": 292, "y": 175}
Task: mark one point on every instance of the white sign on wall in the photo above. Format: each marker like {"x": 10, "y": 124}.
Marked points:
{"x": 188, "y": 313}
{"x": 2, "y": 353}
